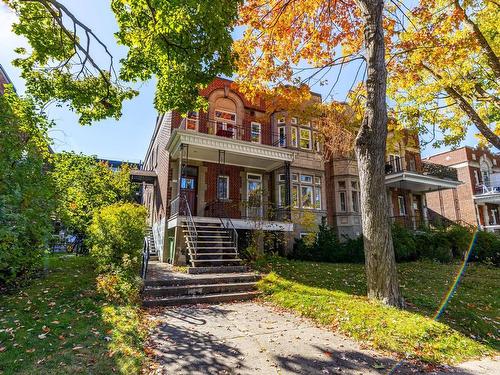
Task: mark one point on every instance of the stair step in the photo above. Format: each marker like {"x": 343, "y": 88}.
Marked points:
{"x": 215, "y": 247}
{"x": 214, "y": 254}
{"x": 199, "y": 289}
{"x": 208, "y": 298}
{"x": 225, "y": 278}
{"x": 216, "y": 269}
{"x": 208, "y": 262}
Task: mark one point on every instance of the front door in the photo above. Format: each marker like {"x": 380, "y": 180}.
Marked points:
{"x": 189, "y": 187}
{"x": 254, "y": 195}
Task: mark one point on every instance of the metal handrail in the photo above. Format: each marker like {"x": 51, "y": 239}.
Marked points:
{"x": 223, "y": 215}
{"x": 193, "y": 232}
{"x": 145, "y": 258}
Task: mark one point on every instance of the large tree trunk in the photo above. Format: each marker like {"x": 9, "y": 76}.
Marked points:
{"x": 381, "y": 274}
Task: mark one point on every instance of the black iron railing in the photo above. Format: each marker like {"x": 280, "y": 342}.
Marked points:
{"x": 428, "y": 169}
{"x": 145, "y": 258}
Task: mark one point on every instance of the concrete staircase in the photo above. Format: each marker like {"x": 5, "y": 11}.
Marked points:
{"x": 212, "y": 250}
{"x": 205, "y": 288}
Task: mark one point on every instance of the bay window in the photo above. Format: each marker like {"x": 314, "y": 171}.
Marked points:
{"x": 305, "y": 139}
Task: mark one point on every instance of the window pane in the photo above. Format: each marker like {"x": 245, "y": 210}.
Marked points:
{"x": 342, "y": 201}
{"x": 317, "y": 198}
{"x": 354, "y": 185}
{"x": 282, "y": 135}
{"x": 255, "y": 134}
{"x": 307, "y": 196}
{"x": 341, "y": 184}
{"x": 305, "y": 139}
{"x": 223, "y": 187}
{"x": 282, "y": 195}
{"x": 294, "y": 120}
{"x": 295, "y": 177}
{"x": 295, "y": 196}
{"x": 317, "y": 180}
{"x": 281, "y": 177}
{"x": 294, "y": 136}
{"x": 355, "y": 201}
{"x": 306, "y": 178}
{"x": 402, "y": 205}
{"x": 229, "y": 116}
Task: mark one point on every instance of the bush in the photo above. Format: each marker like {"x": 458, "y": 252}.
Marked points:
{"x": 434, "y": 245}
{"x": 119, "y": 287}
{"x": 116, "y": 237}
{"x": 486, "y": 248}
{"x": 460, "y": 239}
{"x": 405, "y": 244}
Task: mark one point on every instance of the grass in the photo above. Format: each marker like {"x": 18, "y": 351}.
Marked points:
{"x": 334, "y": 295}
{"x": 59, "y": 325}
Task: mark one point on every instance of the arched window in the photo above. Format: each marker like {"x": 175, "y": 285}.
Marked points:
{"x": 225, "y": 118}
{"x": 485, "y": 171}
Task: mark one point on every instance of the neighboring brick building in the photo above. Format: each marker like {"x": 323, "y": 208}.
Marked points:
{"x": 477, "y": 200}
{"x": 408, "y": 179}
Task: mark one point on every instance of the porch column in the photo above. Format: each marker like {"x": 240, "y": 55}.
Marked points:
{"x": 288, "y": 191}
{"x": 486, "y": 215}
{"x": 424, "y": 209}
{"x": 478, "y": 217}
{"x": 412, "y": 211}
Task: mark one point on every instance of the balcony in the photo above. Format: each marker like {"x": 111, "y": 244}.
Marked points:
{"x": 488, "y": 192}
{"x": 431, "y": 177}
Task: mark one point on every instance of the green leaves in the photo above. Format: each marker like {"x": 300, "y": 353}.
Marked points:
{"x": 185, "y": 44}
{"x": 61, "y": 64}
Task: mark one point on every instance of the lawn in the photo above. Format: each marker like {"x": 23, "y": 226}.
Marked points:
{"x": 334, "y": 295}
{"x": 59, "y": 325}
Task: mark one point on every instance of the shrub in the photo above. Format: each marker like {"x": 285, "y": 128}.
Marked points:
{"x": 116, "y": 237}
{"x": 434, "y": 245}
{"x": 460, "y": 239}
{"x": 119, "y": 287}
{"x": 486, "y": 248}
{"x": 405, "y": 245}
{"x": 351, "y": 251}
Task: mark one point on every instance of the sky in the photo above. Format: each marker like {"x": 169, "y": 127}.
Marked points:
{"x": 127, "y": 138}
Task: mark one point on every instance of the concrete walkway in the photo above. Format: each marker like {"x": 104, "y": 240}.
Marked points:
{"x": 253, "y": 338}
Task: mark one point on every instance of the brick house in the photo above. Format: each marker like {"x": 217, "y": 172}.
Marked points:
{"x": 477, "y": 200}
{"x": 214, "y": 176}
{"x": 4, "y": 80}
{"x": 230, "y": 170}
{"x": 408, "y": 179}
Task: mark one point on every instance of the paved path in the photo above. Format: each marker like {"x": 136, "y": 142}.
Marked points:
{"x": 253, "y": 338}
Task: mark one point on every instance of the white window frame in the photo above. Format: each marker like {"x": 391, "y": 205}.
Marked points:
{"x": 227, "y": 186}
{"x": 282, "y": 137}
{"x": 317, "y": 145}
{"x": 312, "y": 197}
{"x": 252, "y": 124}
{"x": 281, "y": 120}
{"x": 225, "y": 122}
{"x": 317, "y": 197}
{"x": 309, "y": 138}
{"x": 294, "y": 121}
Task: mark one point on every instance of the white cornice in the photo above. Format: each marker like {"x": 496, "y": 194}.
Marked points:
{"x": 227, "y": 144}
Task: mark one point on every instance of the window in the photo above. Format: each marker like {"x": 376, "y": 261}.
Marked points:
{"x": 256, "y": 132}
{"x": 294, "y": 136}
{"x": 476, "y": 177}
{"x": 192, "y": 121}
{"x": 355, "y": 201}
{"x": 225, "y": 123}
{"x": 343, "y": 202}
{"x": 282, "y": 195}
{"x": 188, "y": 183}
{"x": 281, "y": 120}
{"x": 293, "y": 121}
{"x": 156, "y": 155}
{"x": 402, "y": 205}
{"x": 395, "y": 162}
{"x": 295, "y": 177}
{"x": 306, "y": 178}
{"x": 317, "y": 144}
{"x": 317, "y": 180}
{"x": 295, "y": 196}
{"x": 281, "y": 178}
{"x": 412, "y": 164}
{"x": 223, "y": 187}
{"x": 305, "y": 139}
{"x": 282, "y": 135}
{"x": 341, "y": 185}
{"x": 306, "y": 196}
{"x": 317, "y": 197}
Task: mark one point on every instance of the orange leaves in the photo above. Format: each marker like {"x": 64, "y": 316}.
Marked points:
{"x": 282, "y": 35}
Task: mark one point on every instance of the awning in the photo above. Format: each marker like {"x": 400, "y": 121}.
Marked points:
{"x": 419, "y": 183}
{"x": 493, "y": 198}
{"x": 140, "y": 176}
{"x": 206, "y": 147}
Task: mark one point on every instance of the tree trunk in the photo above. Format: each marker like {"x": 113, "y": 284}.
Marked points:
{"x": 381, "y": 274}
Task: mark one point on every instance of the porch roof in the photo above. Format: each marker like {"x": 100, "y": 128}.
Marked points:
{"x": 205, "y": 147}
{"x": 491, "y": 197}
{"x": 139, "y": 175}
{"x": 420, "y": 183}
